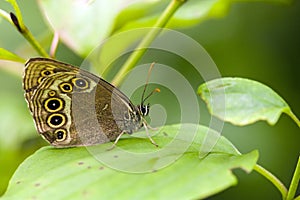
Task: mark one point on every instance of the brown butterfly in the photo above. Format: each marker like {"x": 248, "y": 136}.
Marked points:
{"x": 73, "y": 107}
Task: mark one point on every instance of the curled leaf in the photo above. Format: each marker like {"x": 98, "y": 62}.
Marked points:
{"x": 245, "y": 101}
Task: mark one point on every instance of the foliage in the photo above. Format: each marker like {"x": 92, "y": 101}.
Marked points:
{"x": 44, "y": 175}
{"x": 246, "y": 101}
{"x": 49, "y": 171}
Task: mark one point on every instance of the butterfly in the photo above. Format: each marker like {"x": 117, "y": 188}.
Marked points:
{"x": 73, "y": 107}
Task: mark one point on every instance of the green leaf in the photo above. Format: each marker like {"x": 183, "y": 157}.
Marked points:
{"x": 13, "y": 109}
{"x": 7, "y": 55}
{"x": 83, "y": 25}
{"x": 73, "y": 173}
{"x": 242, "y": 101}
{"x": 191, "y": 13}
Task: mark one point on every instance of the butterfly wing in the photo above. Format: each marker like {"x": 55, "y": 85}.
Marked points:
{"x": 72, "y": 107}
{"x": 38, "y": 69}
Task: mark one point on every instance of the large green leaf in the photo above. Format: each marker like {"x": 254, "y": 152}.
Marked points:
{"x": 83, "y": 25}
{"x": 75, "y": 174}
{"x": 191, "y": 13}
{"x": 13, "y": 110}
{"x": 245, "y": 101}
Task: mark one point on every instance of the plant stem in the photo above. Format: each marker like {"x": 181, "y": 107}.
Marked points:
{"x": 34, "y": 43}
{"x": 294, "y": 183}
{"x": 54, "y": 44}
{"x": 18, "y": 12}
{"x": 276, "y": 182}
{"x": 142, "y": 47}
{"x": 19, "y": 24}
{"x": 294, "y": 117}
{"x": 297, "y": 198}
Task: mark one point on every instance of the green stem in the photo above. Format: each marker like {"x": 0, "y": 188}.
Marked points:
{"x": 142, "y": 47}
{"x": 18, "y": 13}
{"x": 276, "y": 182}
{"x": 297, "y": 198}
{"x": 294, "y": 117}
{"x": 34, "y": 43}
{"x": 294, "y": 182}
{"x": 19, "y": 24}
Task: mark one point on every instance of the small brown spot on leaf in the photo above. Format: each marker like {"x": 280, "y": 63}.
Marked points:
{"x": 84, "y": 192}
{"x": 37, "y": 185}
{"x": 101, "y": 168}
{"x": 80, "y": 163}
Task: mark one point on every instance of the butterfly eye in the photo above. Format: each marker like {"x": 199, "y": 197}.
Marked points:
{"x": 66, "y": 87}
{"x": 144, "y": 109}
{"x": 60, "y": 135}
{"x": 80, "y": 83}
{"x": 53, "y": 104}
{"x": 56, "y": 120}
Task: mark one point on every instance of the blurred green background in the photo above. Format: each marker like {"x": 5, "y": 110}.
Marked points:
{"x": 255, "y": 40}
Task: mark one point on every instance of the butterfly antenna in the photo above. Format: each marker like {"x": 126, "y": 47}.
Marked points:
{"x": 155, "y": 90}
{"x": 147, "y": 81}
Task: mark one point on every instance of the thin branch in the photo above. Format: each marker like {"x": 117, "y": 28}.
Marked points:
{"x": 294, "y": 182}
{"x": 273, "y": 179}
{"x": 153, "y": 33}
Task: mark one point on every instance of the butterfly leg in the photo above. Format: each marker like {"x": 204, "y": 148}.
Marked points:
{"x": 151, "y": 128}
{"x": 148, "y": 135}
{"x": 116, "y": 141}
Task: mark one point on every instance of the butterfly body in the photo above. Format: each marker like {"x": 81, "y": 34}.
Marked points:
{"x": 73, "y": 107}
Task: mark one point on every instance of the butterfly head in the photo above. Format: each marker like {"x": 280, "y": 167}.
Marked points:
{"x": 144, "y": 109}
